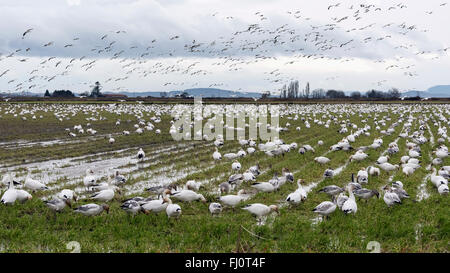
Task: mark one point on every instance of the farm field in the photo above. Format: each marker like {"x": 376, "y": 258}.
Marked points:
{"x": 56, "y": 143}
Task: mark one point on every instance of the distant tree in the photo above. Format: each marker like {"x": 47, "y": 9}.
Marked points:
{"x": 283, "y": 93}
{"x": 95, "y": 93}
{"x": 63, "y": 94}
{"x": 334, "y": 94}
{"x": 184, "y": 95}
{"x": 355, "y": 95}
{"x": 265, "y": 95}
{"x": 374, "y": 94}
{"x": 318, "y": 93}
{"x": 163, "y": 94}
{"x": 47, "y": 94}
{"x": 394, "y": 93}
{"x": 307, "y": 91}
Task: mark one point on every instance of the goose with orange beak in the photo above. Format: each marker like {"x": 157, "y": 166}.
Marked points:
{"x": 260, "y": 210}
{"x": 172, "y": 210}
{"x": 157, "y": 206}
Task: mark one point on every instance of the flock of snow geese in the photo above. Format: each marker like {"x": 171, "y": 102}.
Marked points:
{"x": 393, "y": 192}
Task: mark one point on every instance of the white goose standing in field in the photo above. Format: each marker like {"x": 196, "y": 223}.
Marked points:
{"x": 363, "y": 176}
{"x": 299, "y": 195}
{"x": 67, "y": 194}
{"x": 350, "y": 205}
{"x": 322, "y": 159}
{"x": 23, "y": 196}
{"x": 341, "y": 200}
{"x": 443, "y": 189}
{"x": 188, "y": 196}
{"x": 33, "y": 184}
{"x": 231, "y": 200}
{"x": 90, "y": 179}
{"x": 397, "y": 187}
{"x": 373, "y": 170}
{"x": 217, "y": 155}
{"x": 141, "y": 154}
{"x": 264, "y": 186}
{"x": 106, "y": 195}
{"x": 9, "y": 197}
{"x": 260, "y": 210}
{"x": 359, "y": 155}
{"x": 390, "y": 198}
{"x": 382, "y": 159}
{"x": 192, "y": 185}
{"x": 119, "y": 179}
{"x": 248, "y": 176}
{"x": 58, "y": 204}
{"x": 437, "y": 180}
{"x": 332, "y": 190}
{"x": 157, "y": 206}
{"x": 215, "y": 209}
{"x": 131, "y": 207}
{"x": 236, "y": 166}
{"x": 325, "y": 208}
{"x": 6, "y": 178}
{"x": 388, "y": 167}
{"x": 172, "y": 210}
{"x": 92, "y": 209}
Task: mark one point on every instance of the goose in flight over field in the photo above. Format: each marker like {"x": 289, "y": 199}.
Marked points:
{"x": 26, "y": 32}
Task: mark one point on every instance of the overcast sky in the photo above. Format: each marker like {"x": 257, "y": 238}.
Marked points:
{"x": 385, "y": 44}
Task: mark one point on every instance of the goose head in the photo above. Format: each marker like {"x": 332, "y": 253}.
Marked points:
{"x": 202, "y": 198}
{"x": 105, "y": 208}
{"x": 274, "y": 208}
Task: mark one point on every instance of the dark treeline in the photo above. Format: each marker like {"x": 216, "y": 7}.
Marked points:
{"x": 292, "y": 91}
{"x": 59, "y": 94}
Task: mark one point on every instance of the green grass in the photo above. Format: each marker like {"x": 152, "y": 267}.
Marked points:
{"x": 32, "y": 227}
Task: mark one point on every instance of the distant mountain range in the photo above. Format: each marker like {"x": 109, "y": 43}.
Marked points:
{"x": 203, "y": 92}
{"x": 439, "y": 91}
